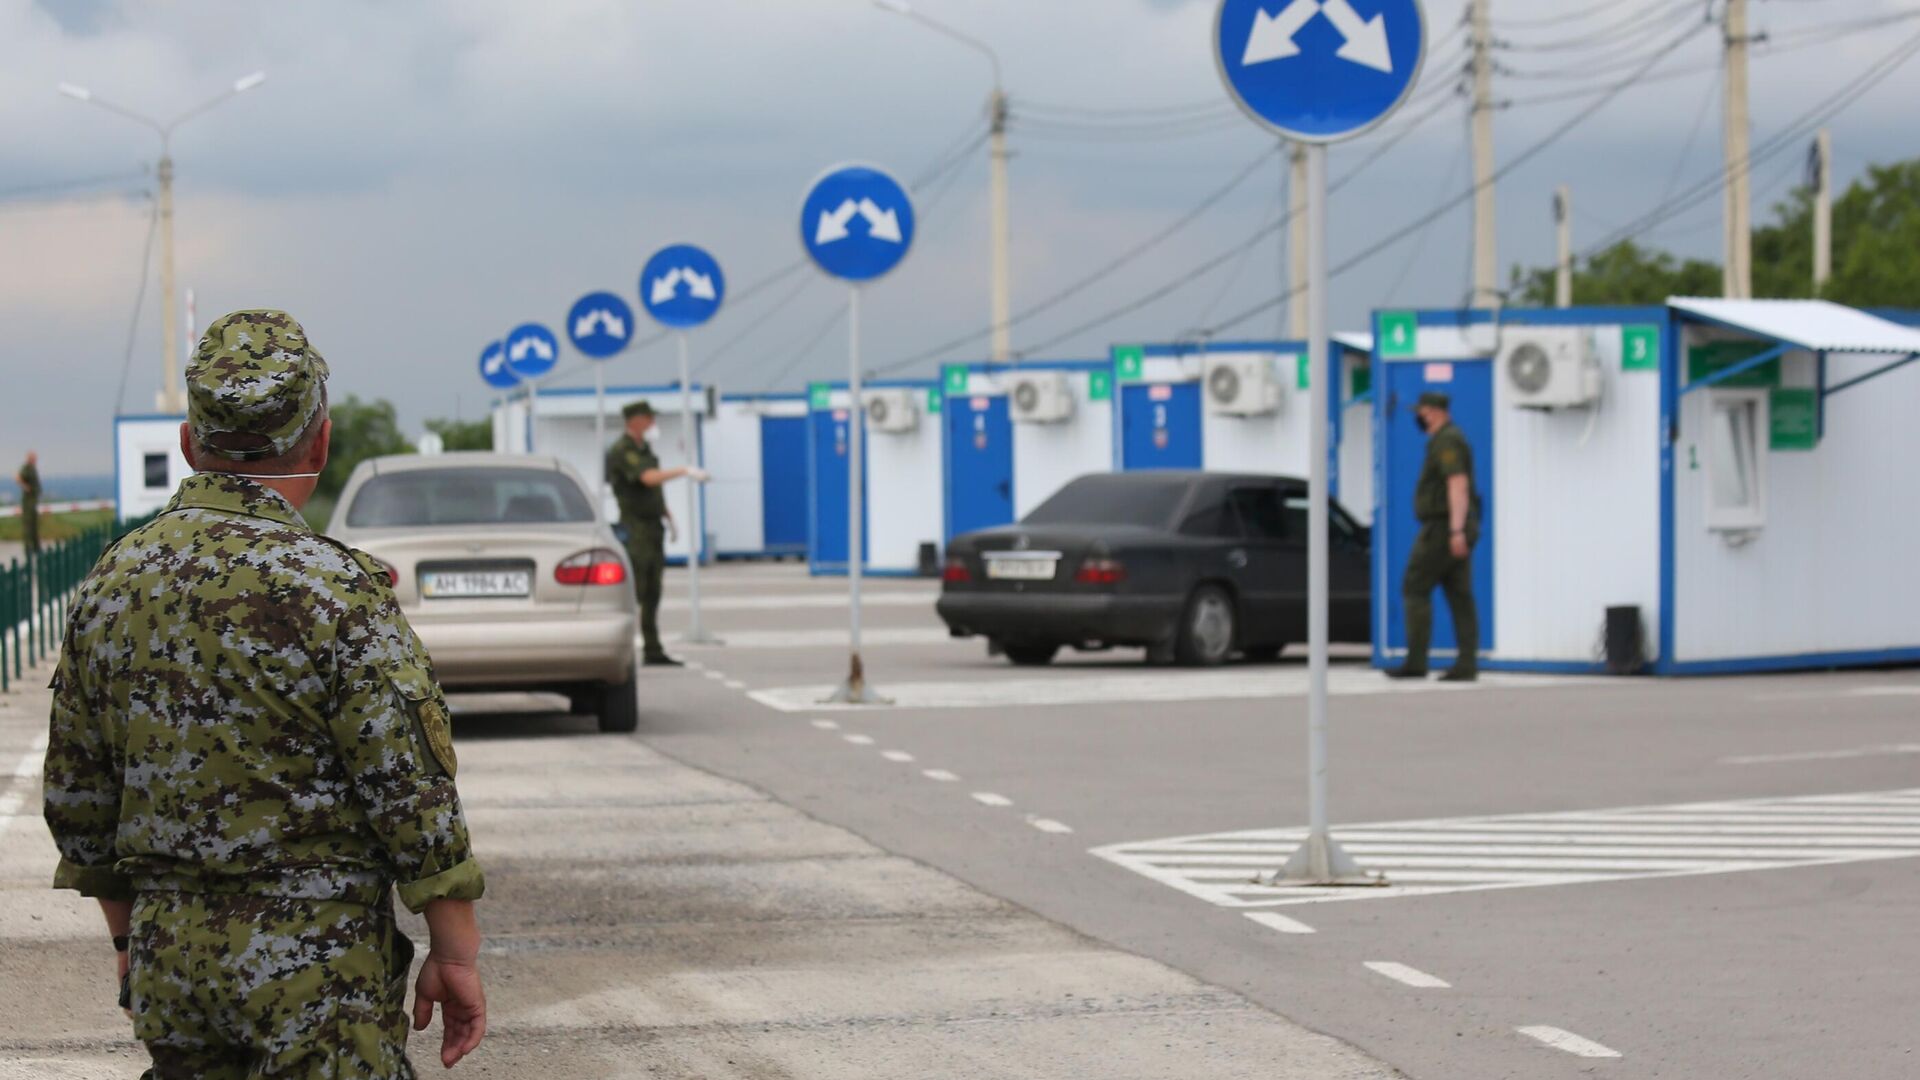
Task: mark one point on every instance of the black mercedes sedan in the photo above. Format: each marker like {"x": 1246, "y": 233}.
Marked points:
{"x": 1193, "y": 566}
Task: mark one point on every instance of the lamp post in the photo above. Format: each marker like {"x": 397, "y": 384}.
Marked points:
{"x": 170, "y": 399}
{"x": 1001, "y": 286}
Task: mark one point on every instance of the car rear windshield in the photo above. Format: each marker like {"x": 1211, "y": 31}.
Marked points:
{"x": 1112, "y": 500}
{"x": 493, "y": 496}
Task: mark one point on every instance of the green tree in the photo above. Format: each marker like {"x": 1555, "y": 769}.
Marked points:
{"x": 1625, "y": 273}
{"x": 361, "y": 430}
{"x": 463, "y": 434}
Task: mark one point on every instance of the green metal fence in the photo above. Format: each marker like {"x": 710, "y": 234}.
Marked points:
{"x": 35, "y": 593}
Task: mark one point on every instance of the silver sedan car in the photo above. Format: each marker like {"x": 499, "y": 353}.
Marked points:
{"x": 505, "y": 571}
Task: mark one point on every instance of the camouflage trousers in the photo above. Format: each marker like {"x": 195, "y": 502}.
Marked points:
{"x": 236, "y": 987}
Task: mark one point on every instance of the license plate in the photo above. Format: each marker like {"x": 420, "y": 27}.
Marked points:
{"x": 1021, "y": 569}
{"x": 468, "y": 583}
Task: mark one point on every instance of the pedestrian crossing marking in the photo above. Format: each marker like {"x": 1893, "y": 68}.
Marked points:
{"x": 1515, "y": 851}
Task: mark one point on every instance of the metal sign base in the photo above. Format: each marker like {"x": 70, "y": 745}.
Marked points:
{"x": 855, "y": 690}
{"x": 700, "y": 637}
{"x": 1321, "y": 861}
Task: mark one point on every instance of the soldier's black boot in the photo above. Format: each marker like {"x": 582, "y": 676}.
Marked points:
{"x": 1405, "y": 672}
{"x": 661, "y": 660}
{"x": 1459, "y": 674}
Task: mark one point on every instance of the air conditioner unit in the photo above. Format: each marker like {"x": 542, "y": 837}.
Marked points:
{"x": 1242, "y": 385}
{"x": 1547, "y": 368}
{"x": 1040, "y": 397}
{"x": 892, "y": 411}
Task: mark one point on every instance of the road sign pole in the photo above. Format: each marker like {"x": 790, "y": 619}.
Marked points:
{"x": 600, "y": 436}
{"x": 696, "y": 524}
{"x": 855, "y": 690}
{"x": 1319, "y": 860}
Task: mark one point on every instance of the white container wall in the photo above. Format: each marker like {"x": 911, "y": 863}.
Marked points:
{"x": 147, "y": 463}
{"x": 904, "y": 480}
{"x": 1829, "y": 570}
{"x": 563, "y": 427}
{"x": 743, "y": 517}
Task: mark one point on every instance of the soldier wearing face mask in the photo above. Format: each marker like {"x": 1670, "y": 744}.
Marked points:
{"x": 1448, "y": 508}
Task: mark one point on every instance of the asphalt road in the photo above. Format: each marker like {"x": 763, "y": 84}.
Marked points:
{"x": 1766, "y": 935}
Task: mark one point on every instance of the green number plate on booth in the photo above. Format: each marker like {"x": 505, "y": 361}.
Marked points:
{"x": 1639, "y": 348}
{"x": 1128, "y": 360}
{"x": 1399, "y": 333}
{"x": 954, "y": 376}
{"x": 819, "y": 395}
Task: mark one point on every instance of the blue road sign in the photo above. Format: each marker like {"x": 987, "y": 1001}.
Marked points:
{"x": 494, "y": 369}
{"x": 532, "y": 350}
{"x": 857, "y": 223}
{"x": 682, "y": 286}
{"x": 1320, "y": 70}
{"x": 600, "y": 325}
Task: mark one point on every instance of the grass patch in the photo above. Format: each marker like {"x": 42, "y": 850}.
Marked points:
{"x": 56, "y": 527}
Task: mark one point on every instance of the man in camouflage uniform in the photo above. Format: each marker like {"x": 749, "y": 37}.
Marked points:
{"x": 29, "y": 480}
{"x": 1448, "y": 507}
{"x": 634, "y": 473}
{"x": 248, "y": 752}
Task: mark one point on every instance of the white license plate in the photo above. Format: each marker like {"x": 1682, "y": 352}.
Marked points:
{"x": 1021, "y": 569}
{"x": 476, "y": 583}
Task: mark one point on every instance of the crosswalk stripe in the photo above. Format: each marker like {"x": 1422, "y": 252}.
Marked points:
{"x": 1526, "y": 850}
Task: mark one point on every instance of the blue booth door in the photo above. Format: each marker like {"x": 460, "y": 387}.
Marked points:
{"x": 827, "y": 517}
{"x": 980, "y": 464}
{"x": 1403, "y": 450}
{"x": 1160, "y": 426}
{"x": 783, "y": 484}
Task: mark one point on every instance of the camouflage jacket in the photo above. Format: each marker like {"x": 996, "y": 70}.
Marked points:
{"x": 239, "y": 706}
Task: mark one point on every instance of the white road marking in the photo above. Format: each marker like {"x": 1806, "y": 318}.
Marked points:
{"x": 1562, "y": 1039}
{"x": 1107, "y": 686}
{"x": 900, "y": 756}
{"x": 988, "y": 798}
{"x": 859, "y": 740}
{"x": 941, "y": 775}
{"x": 23, "y": 770}
{"x": 691, "y": 665}
{"x": 734, "y": 684}
{"x": 1273, "y": 920}
{"x": 1048, "y": 825}
{"x": 826, "y": 725}
{"x": 1414, "y": 977}
{"x": 833, "y": 638}
{"x": 716, "y": 676}
{"x": 1823, "y": 755}
{"x": 1885, "y": 691}
{"x": 1511, "y": 851}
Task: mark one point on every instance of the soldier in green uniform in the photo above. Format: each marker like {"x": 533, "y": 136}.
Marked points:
{"x": 29, "y": 480}
{"x": 248, "y": 752}
{"x": 634, "y": 473}
{"x": 1448, "y": 508}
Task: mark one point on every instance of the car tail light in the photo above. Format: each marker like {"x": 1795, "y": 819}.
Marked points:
{"x": 1101, "y": 572}
{"x": 600, "y": 566}
{"x": 956, "y": 571}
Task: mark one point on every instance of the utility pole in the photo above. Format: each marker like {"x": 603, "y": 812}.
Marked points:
{"x": 169, "y": 398}
{"x": 1002, "y": 230}
{"x": 1738, "y": 280}
{"x": 1822, "y": 210}
{"x": 1563, "y": 263}
{"x": 1486, "y": 258}
{"x": 1297, "y": 241}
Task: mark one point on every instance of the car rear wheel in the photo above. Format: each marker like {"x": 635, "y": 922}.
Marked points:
{"x": 1206, "y": 629}
{"x": 1031, "y": 655}
{"x": 618, "y": 706}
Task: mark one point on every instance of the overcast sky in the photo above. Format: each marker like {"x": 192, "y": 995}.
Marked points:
{"x": 413, "y": 179}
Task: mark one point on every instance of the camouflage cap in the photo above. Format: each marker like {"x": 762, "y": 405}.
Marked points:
{"x": 637, "y": 408}
{"x": 1434, "y": 399}
{"x": 254, "y": 373}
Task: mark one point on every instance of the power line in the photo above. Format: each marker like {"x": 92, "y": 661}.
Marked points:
{"x": 1561, "y": 20}
{"x": 56, "y": 188}
{"x": 839, "y": 313}
{"x": 139, "y": 301}
{"x": 1632, "y": 26}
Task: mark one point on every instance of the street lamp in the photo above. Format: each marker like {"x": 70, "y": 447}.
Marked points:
{"x": 997, "y": 116}
{"x": 170, "y": 399}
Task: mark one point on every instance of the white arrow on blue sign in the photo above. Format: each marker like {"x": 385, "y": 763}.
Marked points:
{"x": 600, "y": 325}
{"x": 857, "y": 223}
{"x": 1320, "y": 70}
{"x": 494, "y": 369}
{"x": 532, "y": 350}
{"x": 682, "y": 286}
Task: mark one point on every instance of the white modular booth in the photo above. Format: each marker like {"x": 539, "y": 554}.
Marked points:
{"x": 1702, "y": 487}
{"x": 1241, "y": 406}
{"x": 903, "y": 474}
{"x": 559, "y": 421}
{"x": 1015, "y": 434}
{"x": 757, "y": 452}
{"x": 147, "y": 463}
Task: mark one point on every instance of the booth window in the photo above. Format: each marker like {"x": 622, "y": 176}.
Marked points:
{"x": 154, "y": 471}
{"x": 1736, "y": 459}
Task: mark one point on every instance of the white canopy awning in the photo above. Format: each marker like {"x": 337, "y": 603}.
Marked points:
{"x": 1359, "y": 342}
{"x": 1816, "y": 325}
